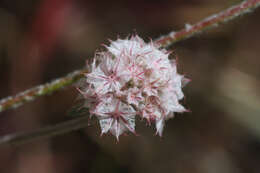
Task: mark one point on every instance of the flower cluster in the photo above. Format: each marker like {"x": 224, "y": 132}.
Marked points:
{"x": 132, "y": 78}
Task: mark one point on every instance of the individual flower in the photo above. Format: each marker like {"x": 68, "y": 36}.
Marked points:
{"x": 115, "y": 116}
{"x": 133, "y": 78}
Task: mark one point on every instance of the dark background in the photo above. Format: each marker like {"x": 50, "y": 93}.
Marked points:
{"x": 41, "y": 40}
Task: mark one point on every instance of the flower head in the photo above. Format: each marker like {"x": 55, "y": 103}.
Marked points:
{"x": 133, "y": 78}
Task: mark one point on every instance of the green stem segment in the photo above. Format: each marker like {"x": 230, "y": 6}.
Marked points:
{"x": 41, "y": 90}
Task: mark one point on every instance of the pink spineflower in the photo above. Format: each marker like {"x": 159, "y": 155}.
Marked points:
{"x": 115, "y": 116}
{"x": 133, "y": 78}
{"x": 105, "y": 77}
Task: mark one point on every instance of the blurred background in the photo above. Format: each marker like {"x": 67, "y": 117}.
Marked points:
{"x": 41, "y": 40}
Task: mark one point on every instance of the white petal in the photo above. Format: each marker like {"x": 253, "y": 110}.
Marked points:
{"x": 159, "y": 126}
{"x": 105, "y": 125}
{"x": 117, "y": 129}
{"x": 130, "y": 125}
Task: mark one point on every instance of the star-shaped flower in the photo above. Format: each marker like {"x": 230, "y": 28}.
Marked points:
{"x": 116, "y": 117}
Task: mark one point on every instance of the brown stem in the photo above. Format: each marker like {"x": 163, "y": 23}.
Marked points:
{"x": 46, "y": 132}
{"x": 210, "y": 22}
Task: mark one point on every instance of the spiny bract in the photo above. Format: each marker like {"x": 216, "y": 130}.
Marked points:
{"x": 132, "y": 78}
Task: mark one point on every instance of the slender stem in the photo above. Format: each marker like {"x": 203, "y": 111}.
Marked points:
{"x": 210, "y": 22}
{"x": 41, "y": 90}
{"x": 46, "y": 132}
{"x": 75, "y": 124}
